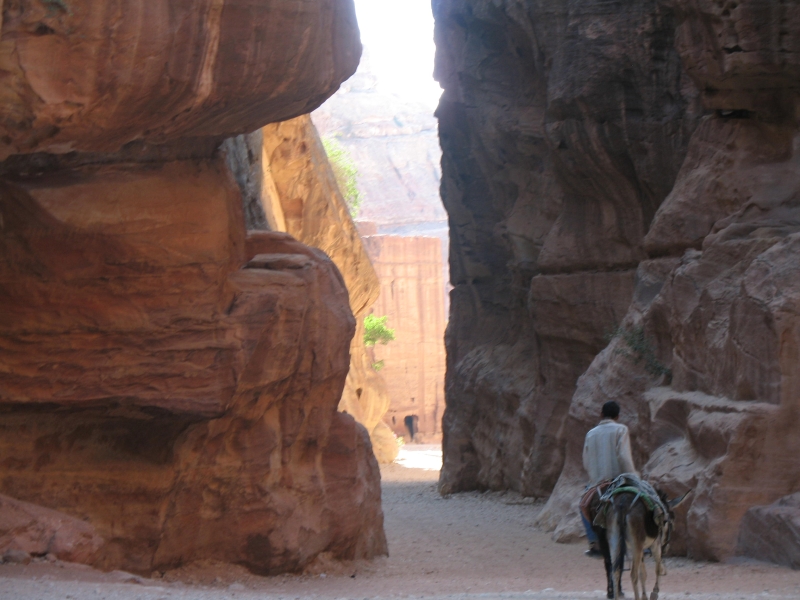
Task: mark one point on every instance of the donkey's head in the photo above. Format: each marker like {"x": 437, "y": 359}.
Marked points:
{"x": 670, "y": 520}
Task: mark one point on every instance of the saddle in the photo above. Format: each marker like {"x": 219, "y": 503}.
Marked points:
{"x": 630, "y": 483}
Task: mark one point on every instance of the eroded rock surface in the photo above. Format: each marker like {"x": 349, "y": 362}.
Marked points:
{"x": 661, "y": 141}
{"x": 92, "y": 76}
{"x": 167, "y": 388}
{"x": 170, "y": 378}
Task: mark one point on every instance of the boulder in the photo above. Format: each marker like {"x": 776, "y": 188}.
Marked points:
{"x": 27, "y": 529}
{"x": 773, "y": 532}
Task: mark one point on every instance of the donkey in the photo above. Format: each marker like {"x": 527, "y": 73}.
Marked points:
{"x": 635, "y": 524}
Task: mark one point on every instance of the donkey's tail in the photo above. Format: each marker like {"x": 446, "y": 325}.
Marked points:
{"x": 622, "y": 521}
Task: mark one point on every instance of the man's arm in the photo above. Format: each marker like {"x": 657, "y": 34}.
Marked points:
{"x": 624, "y": 452}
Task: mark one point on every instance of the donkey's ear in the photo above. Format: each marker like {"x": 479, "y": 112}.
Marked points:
{"x": 677, "y": 501}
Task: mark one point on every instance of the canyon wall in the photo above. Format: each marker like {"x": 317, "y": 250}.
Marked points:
{"x": 411, "y": 286}
{"x": 624, "y": 172}
{"x": 169, "y": 379}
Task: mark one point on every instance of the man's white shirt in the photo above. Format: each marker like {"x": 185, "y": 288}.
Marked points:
{"x": 607, "y": 451}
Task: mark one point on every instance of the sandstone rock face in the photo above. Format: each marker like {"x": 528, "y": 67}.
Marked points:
{"x": 172, "y": 381}
{"x": 563, "y": 127}
{"x": 91, "y": 76}
{"x": 169, "y": 379}
{"x": 634, "y": 210}
{"x": 409, "y": 270}
{"x": 299, "y": 186}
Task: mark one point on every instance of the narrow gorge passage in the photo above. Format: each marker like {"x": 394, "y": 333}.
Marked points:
{"x": 472, "y": 545}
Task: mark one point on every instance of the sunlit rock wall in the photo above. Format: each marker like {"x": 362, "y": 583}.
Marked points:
{"x": 644, "y": 175}
{"x": 300, "y": 188}
{"x": 410, "y": 274}
{"x": 169, "y": 378}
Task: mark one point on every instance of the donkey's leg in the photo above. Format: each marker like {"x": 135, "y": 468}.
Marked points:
{"x": 602, "y": 541}
{"x": 660, "y": 569}
{"x": 643, "y": 573}
{"x": 617, "y": 555}
{"x": 637, "y": 574}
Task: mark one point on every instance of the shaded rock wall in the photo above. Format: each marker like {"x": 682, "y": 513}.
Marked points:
{"x": 301, "y": 187}
{"x": 168, "y": 377}
{"x": 563, "y": 126}
{"x": 695, "y": 214}
{"x": 409, "y": 270}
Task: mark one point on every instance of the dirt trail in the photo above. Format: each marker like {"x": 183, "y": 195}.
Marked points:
{"x": 469, "y": 546}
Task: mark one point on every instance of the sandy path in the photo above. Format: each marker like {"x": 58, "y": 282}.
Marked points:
{"x": 469, "y": 546}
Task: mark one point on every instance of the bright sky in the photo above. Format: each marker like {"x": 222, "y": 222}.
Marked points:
{"x": 399, "y": 35}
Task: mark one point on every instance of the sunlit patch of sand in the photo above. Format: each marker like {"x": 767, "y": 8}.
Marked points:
{"x": 427, "y": 457}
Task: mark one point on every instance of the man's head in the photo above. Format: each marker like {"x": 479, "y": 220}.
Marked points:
{"x": 610, "y": 410}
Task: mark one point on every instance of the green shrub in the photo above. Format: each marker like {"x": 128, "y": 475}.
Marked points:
{"x": 640, "y": 349}
{"x": 346, "y": 174}
{"x": 376, "y": 331}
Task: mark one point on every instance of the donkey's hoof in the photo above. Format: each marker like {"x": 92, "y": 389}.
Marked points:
{"x": 654, "y": 596}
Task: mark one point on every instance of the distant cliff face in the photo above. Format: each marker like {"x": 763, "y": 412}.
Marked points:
{"x": 410, "y": 273}
{"x": 169, "y": 377}
{"x": 633, "y": 170}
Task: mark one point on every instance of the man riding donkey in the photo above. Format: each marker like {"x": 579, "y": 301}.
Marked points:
{"x": 619, "y": 509}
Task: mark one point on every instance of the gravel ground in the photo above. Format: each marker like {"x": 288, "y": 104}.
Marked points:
{"x": 466, "y": 547}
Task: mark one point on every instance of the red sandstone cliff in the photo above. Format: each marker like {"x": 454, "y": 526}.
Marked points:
{"x": 167, "y": 376}
{"x": 633, "y": 167}
{"x": 410, "y": 274}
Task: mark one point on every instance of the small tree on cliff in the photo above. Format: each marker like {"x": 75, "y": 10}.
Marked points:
{"x": 345, "y": 172}
{"x": 376, "y": 332}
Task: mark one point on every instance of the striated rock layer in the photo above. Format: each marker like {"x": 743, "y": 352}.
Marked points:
{"x": 661, "y": 143}
{"x": 409, "y": 270}
{"x": 172, "y": 381}
{"x": 92, "y": 75}
{"x": 169, "y": 380}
